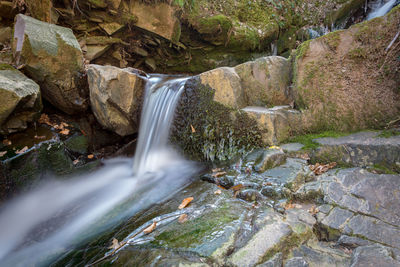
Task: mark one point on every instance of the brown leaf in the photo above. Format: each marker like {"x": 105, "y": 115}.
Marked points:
{"x": 44, "y": 119}
{"x": 40, "y": 137}
{"x": 304, "y": 156}
{"x": 7, "y": 142}
{"x": 75, "y": 161}
{"x": 313, "y": 210}
{"x": 90, "y": 156}
{"x": 21, "y": 150}
{"x": 183, "y": 218}
{"x": 216, "y": 170}
{"x": 193, "y": 129}
{"x": 151, "y": 228}
{"x": 218, "y": 192}
{"x": 322, "y": 168}
{"x": 185, "y": 202}
{"x": 237, "y": 187}
{"x": 2, "y": 153}
{"x": 218, "y": 174}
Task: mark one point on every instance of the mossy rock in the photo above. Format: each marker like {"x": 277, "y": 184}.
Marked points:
{"x": 77, "y": 144}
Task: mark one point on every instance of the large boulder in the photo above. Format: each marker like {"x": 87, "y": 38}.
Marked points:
{"x": 51, "y": 56}
{"x": 349, "y": 80}
{"x": 20, "y": 100}
{"x": 116, "y": 97}
{"x": 266, "y": 81}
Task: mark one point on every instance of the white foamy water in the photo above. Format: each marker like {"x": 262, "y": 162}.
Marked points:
{"x": 41, "y": 225}
{"x": 380, "y": 8}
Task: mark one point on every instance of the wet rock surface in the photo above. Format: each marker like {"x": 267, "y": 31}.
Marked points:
{"x": 243, "y": 217}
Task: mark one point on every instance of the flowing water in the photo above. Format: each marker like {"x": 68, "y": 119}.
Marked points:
{"x": 41, "y": 225}
{"x": 380, "y": 8}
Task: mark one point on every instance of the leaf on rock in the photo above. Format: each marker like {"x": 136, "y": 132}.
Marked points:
{"x": 193, "y": 129}
{"x": 216, "y": 170}
{"x": 183, "y": 218}
{"x": 44, "y": 119}
{"x": 218, "y": 192}
{"x": 313, "y": 210}
{"x": 218, "y": 174}
{"x": 21, "y": 150}
{"x": 237, "y": 187}
{"x": 75, "y": 161}
{"x": 7, "y": 142}
{"x": 185, "y": 202}
{"x": 90, "y": 156}
{"x": 275, "y": 147}
{"x": 151, "y": 228}
{"x": 115, "y": 244}
{"x": 65, "y": 132}
{"x": 2, "y": 153}
{"x": 322, "y": 168}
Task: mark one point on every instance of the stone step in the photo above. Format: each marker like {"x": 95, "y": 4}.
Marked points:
{"x": 276, "y": 123}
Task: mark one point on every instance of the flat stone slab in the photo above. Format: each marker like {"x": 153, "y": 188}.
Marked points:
{"x": 360, "y": 150}
{"x": 374, "y": 255}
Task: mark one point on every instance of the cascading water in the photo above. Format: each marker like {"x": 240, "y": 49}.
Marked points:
{"x": 40, "y": 226}
{"x": 380, "y": 8}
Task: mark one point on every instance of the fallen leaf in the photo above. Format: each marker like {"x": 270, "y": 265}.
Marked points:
{"x": 218, "y": 192}
{"x": 274, "y": 147}
{"x": 216, "y": 170}
{"x": 322, "y": 168}
{"x": 90, "y": 156}
{"x": 185, "y": 202}
{"x": 183, "y": 218}
{"x": 40, "y": 137}
{"x": 151, "y": 228}
{"x": 21, "y": 150}
{"x": 65, "y": 132}
{"x": 248, "y": 170}
{"x": 193, "y": 129}
{"x": 76, "y": 161}
{"x": 237, "y": 187}
{"x": 6, "y": 142}
{"x": 44, "y": 119}
{"x": 63, "y": 124}
{"x": 218, "y": 174}
{"x": 267, "y": 183}
{"x": 2, "y": 153}
{"x": 304, "y": 156}
{"x": 115, "y": 244}
{"x": 313, "y": 210}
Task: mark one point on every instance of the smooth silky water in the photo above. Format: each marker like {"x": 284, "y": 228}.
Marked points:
{"x": 44, "y": 224}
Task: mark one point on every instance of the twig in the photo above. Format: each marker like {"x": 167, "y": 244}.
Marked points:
{"x": 392, "y": 42}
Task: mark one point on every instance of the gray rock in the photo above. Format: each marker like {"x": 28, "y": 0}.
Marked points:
{"x": 20, "y": 100}
{"x": 250, "y": 195}
{"x": 292, "y": 147}
{"x": 271, "y": 158}
{"x": 360, "y": 150}
{"x": 352, "y": 241}
{"x": 276, "y": 260}
{"x": 116, "y": 97}
{"x": 53, "y": 58}
{"x": 372, "y": 256}
{"x": 296, "y": 262}
{"x": 335, "y": 222}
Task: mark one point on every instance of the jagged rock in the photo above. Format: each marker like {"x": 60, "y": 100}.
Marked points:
{"x": 361, "y": 149}
{"x": 292, "y": 147}
{"x": 95, "y": 51}
{"x": 268, "y": 237}
{"x": 151, "y": 64}
{"x": 373, "y": 255}
{"x": 276, "y": 123}
{"x": 5, "y": 35}
{"x": 335, "y": 78}
{"x": 335, "y": 222}
{"x": 157, "y": 18}
{"x": 111, "y": 28}
{"x": 266, "y": 81}
{"x": 276, "y": 260}
{"x": 20, "y": 100}
{"x": 296, "y": 262}
{"x": 271, "y": 158}
{"x": 227, "y": 86}
{"x": 116, "y": 96}
{"x": 352, "y": 241}
{"x": 40, "y": 9}
{"x": 53, "y": 58}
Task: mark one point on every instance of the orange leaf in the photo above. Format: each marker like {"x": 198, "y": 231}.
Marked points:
{"x": 237, "y": 187}
{"x": 151, "y": 228}
{"x": 6, "y": 142}
{"x": 75, "y": 161}
{"x": 193, "y": 129}
{"x": 65, "y": 132}
{"x": 21, "y": 150}
{"x": 183, "y": 218}
{"x": 185, "y": 202}
{"x": 90, "y": 156}
{"x": 216, "y": 170}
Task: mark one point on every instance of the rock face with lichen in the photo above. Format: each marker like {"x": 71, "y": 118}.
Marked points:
{"x": 349, "y": 79}
{"x": 116, "y": 97}
{"x": 51, "y": 56}
{"x": 20, "y": 100}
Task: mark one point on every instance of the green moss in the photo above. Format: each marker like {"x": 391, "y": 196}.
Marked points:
{"x": 307, "y": 140}
{"x": 389, "y": 133}
{"x": 382, "y": 169}
{"x": 6, "y": 67}
{"x": 332, "y": 39}
{"x": 77, "y": 144}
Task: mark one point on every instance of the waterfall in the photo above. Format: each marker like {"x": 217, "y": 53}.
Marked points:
{"x": 41, "y": 225}
{"x": 380, "y": 9}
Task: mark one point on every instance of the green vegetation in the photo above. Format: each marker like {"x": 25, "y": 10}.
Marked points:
{"x": 381, "y": 169}
{"x": 389, "y": 133}
{"x": 307, "y": 140}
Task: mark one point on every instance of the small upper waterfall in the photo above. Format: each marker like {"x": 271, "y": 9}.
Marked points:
{"x": 158, "y": 110}
{"x": 41, "y": 225}
{"x": 380, "y": 8}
